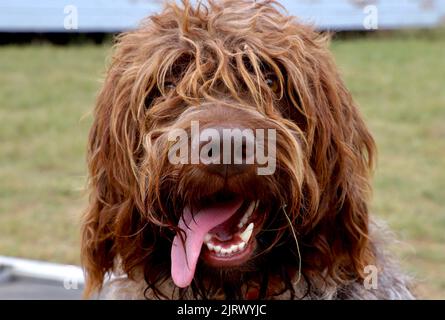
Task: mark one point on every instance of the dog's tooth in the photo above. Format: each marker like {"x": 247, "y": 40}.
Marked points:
{"x": 210, "y": 246}
{"x": 225, "y": 251}
{"x": 234, "y": 247}
{"x": 207, "y": 237}
{"x": 246, "y": 234}
{"x": 217, "y": 248}
{"x": 242, "y": 222}
{"x": 241, "y": 246}
{"x": 250, "y": 209}
{"x": 247, "y": 214}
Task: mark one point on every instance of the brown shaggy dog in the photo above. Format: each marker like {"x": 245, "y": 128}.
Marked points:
{"x": 171, "y": 230}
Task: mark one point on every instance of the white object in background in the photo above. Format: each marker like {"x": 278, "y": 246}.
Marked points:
{"x": 69, "y": 275}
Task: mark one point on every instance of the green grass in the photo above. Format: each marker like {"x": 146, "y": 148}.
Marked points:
{"x": 46, "y": 93}
{"x": 399, "y": 82}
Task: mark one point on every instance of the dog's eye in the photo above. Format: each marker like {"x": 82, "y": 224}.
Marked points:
{"x": 168, "y": 85}
{"x": 272, "y": 82}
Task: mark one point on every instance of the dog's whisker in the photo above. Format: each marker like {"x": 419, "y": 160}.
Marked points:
{"x": 296, "y": 242}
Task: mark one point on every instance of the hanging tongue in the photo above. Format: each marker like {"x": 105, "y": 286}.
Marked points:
{"x": 185, "y": 255}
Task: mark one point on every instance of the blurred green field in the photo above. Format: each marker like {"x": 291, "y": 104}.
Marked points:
{"x": 47, "y": 92}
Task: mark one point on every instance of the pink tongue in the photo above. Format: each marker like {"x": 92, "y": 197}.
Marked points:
{"x": 184, "y": 258}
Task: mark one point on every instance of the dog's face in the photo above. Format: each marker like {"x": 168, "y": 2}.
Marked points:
{"x": 225, "y": 148}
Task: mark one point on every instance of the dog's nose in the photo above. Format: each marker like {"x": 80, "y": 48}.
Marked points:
{"x": 227, "y": 151}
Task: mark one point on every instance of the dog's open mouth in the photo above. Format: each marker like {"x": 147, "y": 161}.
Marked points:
{"x": 221, "y": 232}
{"x": 230, "y": 243}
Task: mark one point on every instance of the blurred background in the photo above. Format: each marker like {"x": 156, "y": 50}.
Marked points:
{"x": 53, "y": 55}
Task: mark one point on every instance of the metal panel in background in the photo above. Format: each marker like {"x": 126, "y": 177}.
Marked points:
{"x": 121, "y": 15}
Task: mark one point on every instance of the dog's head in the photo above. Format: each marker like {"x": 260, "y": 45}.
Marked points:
{"x": 225, "y": 147}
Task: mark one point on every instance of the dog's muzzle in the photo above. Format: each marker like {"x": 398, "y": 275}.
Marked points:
{"x": 223, "y": 148}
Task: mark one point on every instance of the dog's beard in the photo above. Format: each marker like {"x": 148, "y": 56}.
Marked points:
{"x": 230, "y": 283}
{"x": 267, "y": 273}
{"x": 270, "y": 272}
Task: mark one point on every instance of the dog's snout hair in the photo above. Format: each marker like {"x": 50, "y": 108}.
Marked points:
{"x": 235, "y": 64}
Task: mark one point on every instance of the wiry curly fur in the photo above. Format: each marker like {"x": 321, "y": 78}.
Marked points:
{"x": 176, "y": 67}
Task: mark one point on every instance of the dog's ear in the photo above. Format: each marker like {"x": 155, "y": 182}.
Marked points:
{"x": 341, "y": 152}
{"x": 113, "y": 148}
